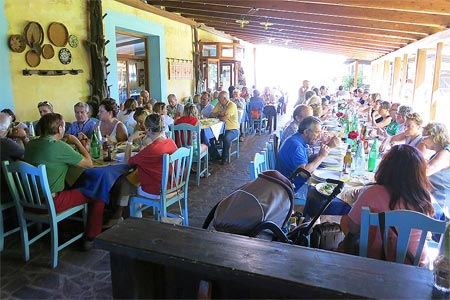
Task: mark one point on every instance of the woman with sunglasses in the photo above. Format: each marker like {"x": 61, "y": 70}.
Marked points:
{"x": 44, "y": 107}
{"x": 148, "y": 162}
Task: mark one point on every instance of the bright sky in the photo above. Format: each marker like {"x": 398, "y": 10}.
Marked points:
{"x": 288, "y": 68}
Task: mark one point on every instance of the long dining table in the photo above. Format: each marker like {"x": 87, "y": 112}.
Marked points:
{"x": 98, "y": 181}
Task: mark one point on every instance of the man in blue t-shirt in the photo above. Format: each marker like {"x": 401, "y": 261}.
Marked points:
{"x": 293, "y": 153}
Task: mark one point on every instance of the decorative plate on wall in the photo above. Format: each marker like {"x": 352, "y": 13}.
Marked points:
{"x": 48, "y": 51}
{"x": 65, "y": 57}
{"x": 34, "y": 34}
{"x": 32, "y": 58}
{"x": 73, "y": 41}
{"x": 17, "y": 43}
{"x": 58, "y": 34}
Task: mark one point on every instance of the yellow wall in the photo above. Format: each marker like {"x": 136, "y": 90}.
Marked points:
{"x": 61, "y": 91}
{"x": 64, "y": 91}
{"x": 205, "y": 36}
{"x": 178, "y": 39}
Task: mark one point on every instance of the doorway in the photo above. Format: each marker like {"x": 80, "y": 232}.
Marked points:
{"x": 132, "y": 65}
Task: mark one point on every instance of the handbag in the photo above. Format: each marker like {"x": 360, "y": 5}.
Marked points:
{"x": 350, "y": 244}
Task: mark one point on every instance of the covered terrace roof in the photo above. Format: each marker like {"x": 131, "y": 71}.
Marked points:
{"x": 356, "y": 29}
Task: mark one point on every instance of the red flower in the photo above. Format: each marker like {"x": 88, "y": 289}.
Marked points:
{"x": 353, "y": 135}
{"x": 339, "y": 114}
{"x": 346, "y": 116}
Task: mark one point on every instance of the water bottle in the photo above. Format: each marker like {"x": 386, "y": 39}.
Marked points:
{"x": 360, "y": 160}
{"x": 442, "y": 264}
{"x": 373, "y": 156}
{"x": 31, "y": 130}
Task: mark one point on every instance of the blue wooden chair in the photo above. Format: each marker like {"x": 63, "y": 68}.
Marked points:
{"x": 236, "y": 149}
{"x": 404, "y": 221}
{"x": 258, "y": 123}
{"x": 34, "y": 202}
{"x": 258, "y": 164}
{"x": 174, "y": 187}
{"x": 5, "y": 206}
{"x": 186, "y": 135}
{"x": 270, "y": 155}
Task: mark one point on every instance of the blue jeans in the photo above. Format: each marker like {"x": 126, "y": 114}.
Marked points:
{"x": 226, "y": 138}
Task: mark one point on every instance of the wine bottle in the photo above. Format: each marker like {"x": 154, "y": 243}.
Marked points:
{"x": 106, "y": 149}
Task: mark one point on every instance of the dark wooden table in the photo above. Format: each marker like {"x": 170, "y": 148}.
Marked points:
{"x": 154, "y": 260}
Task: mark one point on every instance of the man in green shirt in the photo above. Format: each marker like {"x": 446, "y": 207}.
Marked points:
{"x": 58, "y": 156}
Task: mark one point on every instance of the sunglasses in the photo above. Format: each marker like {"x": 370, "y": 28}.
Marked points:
{"x": 45, "y": 103}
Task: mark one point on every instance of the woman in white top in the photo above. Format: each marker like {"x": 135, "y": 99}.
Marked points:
{"x": 109, "y": 125}
{"x": 161, "y": 108}
{"x": 411, "y": 136}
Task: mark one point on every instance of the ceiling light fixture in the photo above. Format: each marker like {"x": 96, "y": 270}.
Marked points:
{"x": 266, "y": 24}
{"x": 242, "y": 22}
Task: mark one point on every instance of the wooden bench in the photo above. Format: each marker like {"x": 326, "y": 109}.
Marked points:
{"x": 154, "y": 260}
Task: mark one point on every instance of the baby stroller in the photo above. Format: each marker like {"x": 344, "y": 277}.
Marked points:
{"x": 262, "y": 208}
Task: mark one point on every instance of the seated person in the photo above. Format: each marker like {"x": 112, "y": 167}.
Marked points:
{"x": 126, "y": 115}
{"x": 14, "y": 121}
{"x": 227, "y": 112}
{"x": 437, "y": 139}
{"x": 256, "y": 106}
{"x": 384, "y": 119}
{"x": 44, "y": 107}
{"x": 400, "y": 183}
{"x": 161, "y": 109}
{"x": 84, "y": 126}
{"x": 139, "y": 116}
{"x": 57, "y": 155}
{"x": 294, "y": 151}
{"x": 148, "y": 162}
{"x": 411, "y": 136}
{"x": 190, "y": 116}
{"x": 9, "y": 149}
{"x": 301, "y": 111}
{"x": 204, "y": 107}
{"x": 114, "y": 130}
{"x": 174, "y": 109}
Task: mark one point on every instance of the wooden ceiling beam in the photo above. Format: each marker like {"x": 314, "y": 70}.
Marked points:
{"x": 313, "y": 26}
{"x": 306, "y": 32}
{"x": 310, "y": 11}
{"x": 324, "y": 48}
{"x": 396, "y": 30}
{"x": 434, "y": 7}
{"x": 318, "y": 44}
{"x": 237, "y": 31}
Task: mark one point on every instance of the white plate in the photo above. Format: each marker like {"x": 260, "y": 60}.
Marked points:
{"x": 337, "y": 151}
{"x": 324, "y": 189}
{"x": 121, "y": 156}
{"x": 330, "y": 161}
{"x": 322, "y": 175}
